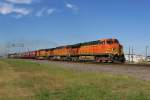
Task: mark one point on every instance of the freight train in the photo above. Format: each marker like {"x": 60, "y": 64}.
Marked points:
{"x": 103, "y": 50}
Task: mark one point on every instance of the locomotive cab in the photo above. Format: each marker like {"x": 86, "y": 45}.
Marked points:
{"x": 114, "y": 49}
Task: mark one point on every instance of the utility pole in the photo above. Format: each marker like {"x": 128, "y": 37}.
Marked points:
{"x": 146, "y": 50}
{"x": 129, "y": 53}
{"x": 132, "y": 52}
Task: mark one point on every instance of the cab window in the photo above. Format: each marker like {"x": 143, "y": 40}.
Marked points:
{"x": 109, "y": 42}
{"x": 116, "y": 41}
{"x": 102, "y": 42}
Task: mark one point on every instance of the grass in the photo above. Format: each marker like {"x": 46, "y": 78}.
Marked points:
{"x": 23, "y": 80}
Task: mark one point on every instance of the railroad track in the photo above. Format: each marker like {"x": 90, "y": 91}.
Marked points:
{"x": 96, "y": 63}
{"x": 141, "y": 71}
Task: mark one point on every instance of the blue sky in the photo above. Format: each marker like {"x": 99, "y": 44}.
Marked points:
{"x": 49, "y": 23}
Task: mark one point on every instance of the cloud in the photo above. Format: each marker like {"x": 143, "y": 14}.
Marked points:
{"x": 45, "y": 11}
{"x": 6, "y": 8}
{"x": 16, "y": 10}
{"x": 40, "y": 12}
{"x": 21, "y": 11}
{"x": 71, "y": 6}
{"x": 50, "y": 11}
{"x": 18, "y": 16}
{"x": 20, "y": 1}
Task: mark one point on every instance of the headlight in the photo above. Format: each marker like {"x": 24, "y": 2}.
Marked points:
{"x": 113, "y": 49}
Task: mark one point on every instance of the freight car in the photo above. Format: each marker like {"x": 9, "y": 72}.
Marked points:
{"x": 104, "y": 50}
{"x": 42, "y": 54}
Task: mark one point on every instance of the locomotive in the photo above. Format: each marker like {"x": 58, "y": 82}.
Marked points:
{"x": 103, "y": 50}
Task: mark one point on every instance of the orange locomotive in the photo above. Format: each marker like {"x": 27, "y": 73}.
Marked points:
{"x": 104, "y": 50}
{"x": 42, "y": 54}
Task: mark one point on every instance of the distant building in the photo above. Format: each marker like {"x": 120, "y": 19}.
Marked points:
{"x": 148, "y": 58}
{"x": 134, "y": 58}
{"x": 1, "y": 56}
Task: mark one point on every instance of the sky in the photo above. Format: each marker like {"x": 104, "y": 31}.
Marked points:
{"x": 50, "y": 23}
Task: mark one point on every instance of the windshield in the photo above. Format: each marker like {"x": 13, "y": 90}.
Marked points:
{"x": 116, "y": 41}
{"x": 109, "y": 41}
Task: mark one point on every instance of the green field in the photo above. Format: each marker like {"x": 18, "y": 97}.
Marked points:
{"x": 23, "y": 80}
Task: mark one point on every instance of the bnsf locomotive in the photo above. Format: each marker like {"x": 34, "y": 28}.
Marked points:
{"x": 103, "y": 50}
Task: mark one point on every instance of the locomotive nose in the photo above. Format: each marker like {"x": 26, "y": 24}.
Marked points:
{"x": 117, "y": 49}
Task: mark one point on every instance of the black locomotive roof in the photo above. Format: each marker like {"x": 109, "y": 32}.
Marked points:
{"x": 46, "y": 49}
{"x": 59, "y": 47}
{"x": 90, "y": 43}
{"x": 75, "y": 45}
